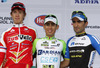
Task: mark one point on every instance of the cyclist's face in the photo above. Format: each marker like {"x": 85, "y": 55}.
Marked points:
{"x": 18, "y": 16}
{"x": 50, "y": 28}
{"x": 79, "y": 26}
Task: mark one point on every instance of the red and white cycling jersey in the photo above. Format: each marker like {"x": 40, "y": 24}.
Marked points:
{"x": 16, "y": 43}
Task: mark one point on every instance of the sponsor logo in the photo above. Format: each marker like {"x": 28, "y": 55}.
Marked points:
{"x": 48, "y": 66}
{"x": 3, "y": 1}
{"x": 83, "y": 38}
{"x": 25, "y": 44}
{"x": 12, "y": 31}
{"x": 49, "y": 59}
{"x": 56, "y": 45}
{"x": 73, "y": 43}
{"x": 13, "y": 45}
{"x": 25, "y": 37}
{"x": 49, "y": 47}
{"x": 93, "y": 56}
{"x": 40, "y": 52}
{"x": 53, "y": 42}
{"x": 93, "y": 27}
{"x": 76, "y": 56}
{"x": 86, "y": 2}
{"x": 45, "y": 44}
{"x": 40, "y": 20}
{"x": 77, "y": 51}
{"x": 6, "y": 20}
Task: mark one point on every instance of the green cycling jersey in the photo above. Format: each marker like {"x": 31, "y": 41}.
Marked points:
{"x": 48, "y": 51}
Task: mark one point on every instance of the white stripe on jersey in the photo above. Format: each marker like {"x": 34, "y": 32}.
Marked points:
{"x": 96, "y": 39}
{"x": 3, "y": 50}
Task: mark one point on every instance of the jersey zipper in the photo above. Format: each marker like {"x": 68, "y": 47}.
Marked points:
{"x": 18, "y": 43}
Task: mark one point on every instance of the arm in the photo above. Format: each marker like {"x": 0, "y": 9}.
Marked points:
{"x": 64, "y": 63}
{"x": 34, "y": 45}
{"x": 95, "y": 43}
{"x": 2, "y": 55}
{"x": 2, "y": 49}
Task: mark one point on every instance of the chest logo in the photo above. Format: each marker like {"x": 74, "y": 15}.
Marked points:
{"x": 45, "y": 43}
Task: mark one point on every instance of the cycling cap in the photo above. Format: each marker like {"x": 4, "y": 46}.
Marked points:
{"x": 80, "y": 15}
{"x": 52, "y": 18}
{"x": 18, "y": 5}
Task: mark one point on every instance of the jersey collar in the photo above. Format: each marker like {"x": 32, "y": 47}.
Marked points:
{"x": 81, "y": 34}
{"x": 18, "y": 25}
{"x": 50, "y": 38}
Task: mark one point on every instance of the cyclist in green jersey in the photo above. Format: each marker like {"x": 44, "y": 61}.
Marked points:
{"x": 49, "y": 49}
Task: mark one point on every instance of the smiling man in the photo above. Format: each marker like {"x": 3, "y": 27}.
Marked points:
{"x": 16, "y": 42}
{"x": 49, "y": 48}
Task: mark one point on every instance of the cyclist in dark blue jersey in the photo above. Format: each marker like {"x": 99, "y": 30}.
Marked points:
{"x": 80, "y": 48}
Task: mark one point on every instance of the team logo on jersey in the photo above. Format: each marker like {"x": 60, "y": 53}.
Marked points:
{"x": 53, "y": 42}
{"x": 40, "y": 52}
{"x": 45, "y": 44}
{"x": 13, "y": 46}
{"x": 83, "y": 38}
{"x": 73, "y": 43}
{"x": 49, "y": 47}
{"x": 22, "y": 37}
{"x": 56, "y": 45}
{"x": 77, "y": 51}
{"x": 12, "y": 30}
{"x": 48, "y": 59}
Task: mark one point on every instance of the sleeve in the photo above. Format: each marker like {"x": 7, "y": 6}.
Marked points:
{"x": 34, "y": 45}
{"x": 66, "y": 52}
{"x": 34, "y": 32}
{"x": 67, "y": 49}
{"x": 95, "y": 43}
{"x": 2, "y": 54}
{"x": 2, "y": 49}
{"x": 64, "y": 46}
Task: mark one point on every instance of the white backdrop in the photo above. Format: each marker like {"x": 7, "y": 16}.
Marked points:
{"x": 62, "y": 9}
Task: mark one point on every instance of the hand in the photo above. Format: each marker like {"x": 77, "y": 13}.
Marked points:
{"x": 4, "y": 62}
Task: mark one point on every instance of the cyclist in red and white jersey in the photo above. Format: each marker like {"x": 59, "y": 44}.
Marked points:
{"x": 16, "y": 42}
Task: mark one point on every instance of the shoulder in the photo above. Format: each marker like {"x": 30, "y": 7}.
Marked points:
{"x": 7, "y": 31}
{"x": 70, "y": 38}
{"x": 91, "y": 36}
{"x": 31, "y": 28}
{"x": 37, "y": 39}
{"x": 61, "y": 40}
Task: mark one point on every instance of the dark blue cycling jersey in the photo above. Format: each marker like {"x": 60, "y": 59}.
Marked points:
{"x": 81, "y": 50}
